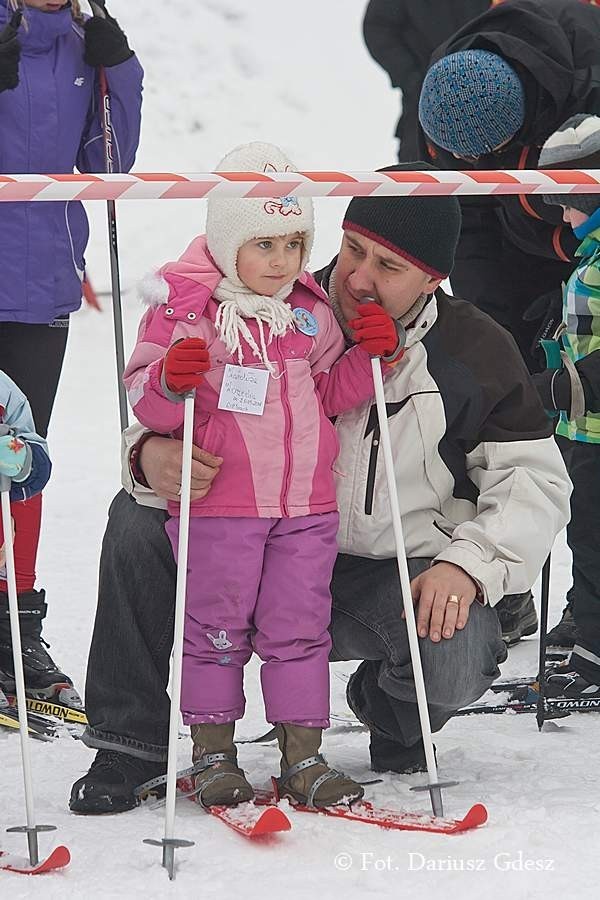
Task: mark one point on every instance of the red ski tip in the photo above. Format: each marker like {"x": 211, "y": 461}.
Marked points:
{"x": 477, "y": 815}
{"x": 58, "y": 859}
{"x": 252, "y": 821}
{"x": 272, "y": 820}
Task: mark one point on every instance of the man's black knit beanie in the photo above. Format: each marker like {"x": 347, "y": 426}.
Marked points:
{"x": 422, "y": 229}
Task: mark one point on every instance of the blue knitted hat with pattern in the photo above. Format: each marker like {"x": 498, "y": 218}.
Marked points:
{"x": 471, "y": 102}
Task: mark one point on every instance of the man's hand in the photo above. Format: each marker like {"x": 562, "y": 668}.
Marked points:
{"x": 160, "y": 461}
{"x": 437, "y": 615}
{"x": 374, "y": 330}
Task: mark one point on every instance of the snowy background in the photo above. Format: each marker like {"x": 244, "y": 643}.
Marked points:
{"x": 218, "y": 73}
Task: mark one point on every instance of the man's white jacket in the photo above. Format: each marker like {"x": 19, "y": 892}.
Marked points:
{"x": 481, "y": 481}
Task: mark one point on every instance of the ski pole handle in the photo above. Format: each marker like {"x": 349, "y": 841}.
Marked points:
{"x": 98, "y": 8}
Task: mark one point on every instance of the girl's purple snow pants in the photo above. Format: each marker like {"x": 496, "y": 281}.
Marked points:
{"x": 258, "y": 585}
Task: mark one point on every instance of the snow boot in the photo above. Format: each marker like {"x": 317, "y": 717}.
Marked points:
{"x": 564, "y": 634}
{"x": 306, "y": 777}
{"x": 43, "y": 678}
{"x": 109, "y": 786}
{"x": 391, "y": 756}
{"x": 518, "y": 617}
{"x": 565, "y": 682}
{"x": 218, "y": 779}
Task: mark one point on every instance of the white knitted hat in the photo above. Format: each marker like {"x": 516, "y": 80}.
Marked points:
{"x": 230, "y": 223}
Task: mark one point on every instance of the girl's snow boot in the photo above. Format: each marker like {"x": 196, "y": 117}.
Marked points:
{"x": 218, "y": 779}
{"x": 305, "y": 775}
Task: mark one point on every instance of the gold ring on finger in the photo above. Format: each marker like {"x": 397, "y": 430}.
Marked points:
{"x": 453, "y": 599}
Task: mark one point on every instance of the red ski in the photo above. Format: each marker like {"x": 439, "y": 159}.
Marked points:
{"x": 58, "y": 859}
{"x": 365, "y": 812}
{"x": 248, "y": 819}
{"x": 252, "y": 820}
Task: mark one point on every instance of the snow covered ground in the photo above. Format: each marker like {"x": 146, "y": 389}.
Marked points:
{"x": 220, "y": 72}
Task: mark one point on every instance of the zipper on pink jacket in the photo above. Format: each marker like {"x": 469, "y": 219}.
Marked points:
{"x": 287, "y": 444}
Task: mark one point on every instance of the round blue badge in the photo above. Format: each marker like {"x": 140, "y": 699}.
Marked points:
{"x": 306, "y": 322}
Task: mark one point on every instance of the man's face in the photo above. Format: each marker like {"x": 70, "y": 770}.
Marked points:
{"x": 367, "y": 269}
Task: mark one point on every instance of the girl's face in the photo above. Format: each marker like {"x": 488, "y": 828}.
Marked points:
{"x": 48, "y": 6}
{"x": 574, "y": 217}
{"x": 266, "y": 264}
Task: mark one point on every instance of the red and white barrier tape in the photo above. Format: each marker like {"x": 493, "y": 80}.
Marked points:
{"x": 174, "y": 186}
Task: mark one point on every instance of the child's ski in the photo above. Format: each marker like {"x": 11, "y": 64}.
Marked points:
{"x": 369, "y": 814}
{"x": 58, "y": 859}
{"x": 248, "y": 819}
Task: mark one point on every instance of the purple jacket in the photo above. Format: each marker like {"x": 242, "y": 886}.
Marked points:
{"x": 51, "y": 124}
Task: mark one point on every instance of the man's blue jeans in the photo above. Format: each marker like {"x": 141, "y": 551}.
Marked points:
{"x": 128, "y": 668}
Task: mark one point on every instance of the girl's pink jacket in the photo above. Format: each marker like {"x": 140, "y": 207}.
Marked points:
{"x": 276, "y": 465}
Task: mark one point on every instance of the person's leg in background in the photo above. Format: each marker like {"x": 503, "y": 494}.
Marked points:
{"x": 583, "y": 464}
{"x": 32, "y": 355}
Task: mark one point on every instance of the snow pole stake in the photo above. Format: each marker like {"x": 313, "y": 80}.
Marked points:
{"x": 545, "y": 595}
{"x": 170, "y": 843}
{"x": 98, "y": 9}
{"x": 31, "y": 829}
{"x": 435, "y": 786}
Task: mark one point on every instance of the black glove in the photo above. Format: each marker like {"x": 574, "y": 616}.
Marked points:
{"x": 105, "y": 42}
{"x": 555, "y": 387}
{"x": 547, "y": 310}
{"x": 10, "y": 54}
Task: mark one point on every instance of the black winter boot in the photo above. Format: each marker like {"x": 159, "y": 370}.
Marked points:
{"x": 564, "y": 634}
{"x": 43, "y": 679}
{"x": 518, "y": 617}
{"x": 109, "y": 786}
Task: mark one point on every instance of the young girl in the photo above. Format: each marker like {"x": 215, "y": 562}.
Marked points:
{"x": 51, "y": 121}
{"x": 24, "y": 461}
{"x": 243, "y": 323}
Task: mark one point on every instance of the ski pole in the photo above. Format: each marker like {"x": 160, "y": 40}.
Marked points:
{"x": 541, "y": 704}
{"x": 31, "y": 829}
{"x": 434, "y": 787}
{"x": 170, "y": 843}
{"x": 98, "y": 9}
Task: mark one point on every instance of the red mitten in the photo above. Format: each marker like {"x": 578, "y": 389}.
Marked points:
{"x": 185, "y": 365}
{"x": 375, "y": 330}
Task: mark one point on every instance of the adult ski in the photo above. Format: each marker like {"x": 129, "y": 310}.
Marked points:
{"x": 58, "y": 859}
{"x": 39, "y": 728}
{"x": 51, "y": 709}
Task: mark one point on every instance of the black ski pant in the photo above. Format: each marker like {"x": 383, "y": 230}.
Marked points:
{"x": 583, "y": 537}
{"x": 128, "y": 668}
{"x": 32, "y": 355}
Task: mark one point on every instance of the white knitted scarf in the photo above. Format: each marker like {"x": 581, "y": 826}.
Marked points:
{"x": 236, "y": 304}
